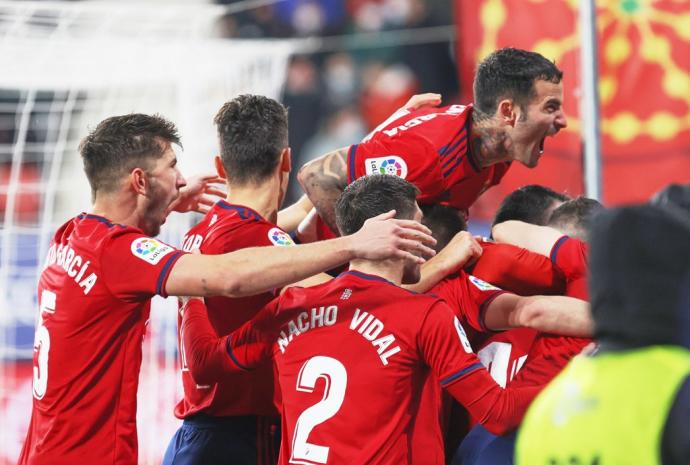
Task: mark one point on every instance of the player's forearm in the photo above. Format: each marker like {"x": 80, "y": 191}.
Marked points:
{"x": 431, "y": 273}
{"x": 255, "y": 270}
{"x": 561, "y": 315}
{"x": 290, "y": 217}
{"x": 498, "y": 410}
{"x": 539, "y": 239}
{"x": 323, "y": 180}
{"x": 205, "y": 353}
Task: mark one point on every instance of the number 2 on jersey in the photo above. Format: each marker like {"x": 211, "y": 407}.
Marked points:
{"x": 335, "y": 376}
{"x": 42, "y": 346}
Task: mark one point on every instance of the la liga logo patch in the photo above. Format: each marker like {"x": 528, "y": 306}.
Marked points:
{"x": 483, "y": 285}
{"x": 279, "y": 237}
{"x": 391, "y": 164}
{"x": 150, "y": 250}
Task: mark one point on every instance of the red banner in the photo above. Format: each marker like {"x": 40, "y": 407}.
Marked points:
{"x": 644, "y": 84}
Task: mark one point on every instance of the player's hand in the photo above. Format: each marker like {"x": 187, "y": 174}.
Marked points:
{"x": 423, "y": 100}
{"x": 383, "y": 237}
{"x": 200, "y": 194}
{"x": 306, "y": 230}
{"x": 461, "y": 251}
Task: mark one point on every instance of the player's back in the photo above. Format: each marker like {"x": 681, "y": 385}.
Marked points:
{"x": 87, "y": 350}
{"x": 226, "y": 228}
{"x": 350, "y": 370}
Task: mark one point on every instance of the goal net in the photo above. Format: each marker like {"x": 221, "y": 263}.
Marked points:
{"x": 65, "y": 67}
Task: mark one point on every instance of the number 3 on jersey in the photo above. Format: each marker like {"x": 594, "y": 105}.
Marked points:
{"x": 335, "y": 376}
{"x": 42, "y": 346}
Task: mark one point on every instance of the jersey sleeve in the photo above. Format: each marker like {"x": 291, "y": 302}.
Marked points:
{"x": 407, "y": 156}
{"x": 468, "y": 297}
{"x": 445, "y": 348}
{"x": 570, "y": 257}
{"x": 210, "y": 357}
{"x": 518, "y": 270}
{"x": 135, "y": 266}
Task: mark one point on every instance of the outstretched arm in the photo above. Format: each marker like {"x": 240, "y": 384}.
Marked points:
{"x": 324, "y": 179}
{"x": 290, "y": 217}
{"x": 565, "y": 316}
{"x": 258, "y": 269}
{"x": 539, "y": 239}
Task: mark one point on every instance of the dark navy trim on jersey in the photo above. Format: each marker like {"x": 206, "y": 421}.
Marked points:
{"x": 100, "y": 219}
{"x": 228, "y": 348}
{"x": 368, "y": 277}
{"x": 463, "y": 372}
{"x": 484, "y": 306}
{"x": 164, "y": 272}
{"x": 556, "y": 247}
{"x": 245, "y": 213}
{"x": 445, "y": 150}
{"x": 351, "y": 159}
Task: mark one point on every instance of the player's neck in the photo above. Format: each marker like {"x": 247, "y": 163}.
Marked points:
{"x": 118, "y": 209}
{"x": 489, "y": 140}
{"x": 390, "y": 270}
{"x": 262, "y": 198}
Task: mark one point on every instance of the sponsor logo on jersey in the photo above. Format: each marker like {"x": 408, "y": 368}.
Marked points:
{"x": 483, "y": 285}
{"x": 150, "y": 250}
{"x": 391, "y": 164}
{"x": 279, "y": 237}
{"x": 463, "y": 337}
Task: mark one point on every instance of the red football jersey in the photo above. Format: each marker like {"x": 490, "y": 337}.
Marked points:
{"x": 87, "y": 349}
{"x": 550, "y": 353}
{"x": 429, "y": 148}
{"x": 352, "y": 355}
{"x": 226, "y": 228}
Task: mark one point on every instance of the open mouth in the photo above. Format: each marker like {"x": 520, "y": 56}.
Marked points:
{"x": 541, "y": 145}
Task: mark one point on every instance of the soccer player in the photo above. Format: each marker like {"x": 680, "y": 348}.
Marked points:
{"x": 628, "y": 403}
{"x": 453, "y": 154}
{"x": 235, "y": 417}
{"x": 104, "y": 266}
{"x": 353, "y": 354}
{"x": 532, "y": 204}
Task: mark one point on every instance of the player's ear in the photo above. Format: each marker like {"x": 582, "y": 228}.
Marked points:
{"x": 286, "y": 160}
{"x": 507, "y": 111}
{"x": 220, "y": 169}
{"x": 138, "y": 181}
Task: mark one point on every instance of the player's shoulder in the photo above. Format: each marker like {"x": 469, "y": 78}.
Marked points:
{"x": 239, "y": 226}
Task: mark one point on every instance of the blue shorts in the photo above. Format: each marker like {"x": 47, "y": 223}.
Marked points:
{"x": 243, "y": 440}
{"x": 483, "y": 448}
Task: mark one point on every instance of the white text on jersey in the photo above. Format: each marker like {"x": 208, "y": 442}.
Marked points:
{"x": 370, "y": 328}
{"x": 191, "y": 242}
{"x": 452, "y": 110}
{"x": 318, "y": 317}
{"x": 75, "y": 266}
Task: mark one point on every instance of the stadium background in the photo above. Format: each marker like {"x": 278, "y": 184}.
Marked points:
{"x": 341, "y": 66}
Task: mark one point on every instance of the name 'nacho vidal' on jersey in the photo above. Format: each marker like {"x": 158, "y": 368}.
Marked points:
{"x": 362, "y": 322}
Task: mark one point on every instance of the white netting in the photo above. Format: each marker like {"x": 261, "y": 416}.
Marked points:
{"x": 65, "y": 67}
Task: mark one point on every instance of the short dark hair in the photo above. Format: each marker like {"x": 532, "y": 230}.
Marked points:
{"x": 576, "y": 216}
{"x": 121, "y": 143}
{"x": 444, "y": 221}
{"x": 373, "y": 195}
{"x": 253, "y": 131}
{"x": 531, "y": 204}
{"x": 511, "y": 73}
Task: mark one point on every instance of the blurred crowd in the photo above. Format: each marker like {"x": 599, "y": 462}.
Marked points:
{"x": 337, "y": 94}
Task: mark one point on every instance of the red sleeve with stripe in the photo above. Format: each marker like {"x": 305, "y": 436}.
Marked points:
{"x": 445, "y": 348}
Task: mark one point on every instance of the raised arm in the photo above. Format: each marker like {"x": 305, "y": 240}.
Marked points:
{"x": 323, "y": 180}
{"x": 565, "y": 316}
{"x": 539, "y": 239}
{"x": 258, "y": 269}
{"x": 290, "y": 217}
{"x": 462, "y": 250}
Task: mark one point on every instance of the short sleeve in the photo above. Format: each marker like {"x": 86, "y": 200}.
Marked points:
{"x": 135, "y": 266}
{"x": 444, "y": 346}
{"x": 570, "y": 257}
{"x": 468, "y": 297}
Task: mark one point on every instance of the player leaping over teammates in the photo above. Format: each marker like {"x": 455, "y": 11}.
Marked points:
{"x": 102, "y": 269}
{"x": 352, "y": 354}
{"x": 453, "y": 154}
